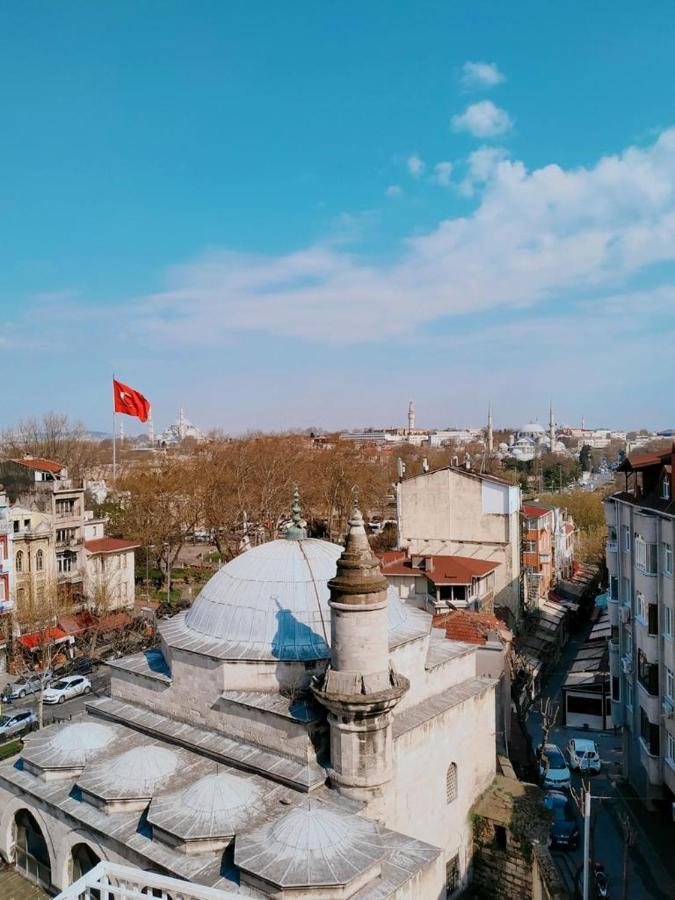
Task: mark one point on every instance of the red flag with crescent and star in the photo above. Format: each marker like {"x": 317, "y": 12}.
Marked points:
{"x": 129, "y": 401}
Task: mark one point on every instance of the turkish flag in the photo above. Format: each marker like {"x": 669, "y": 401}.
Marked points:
{"x": 130, "y": 402}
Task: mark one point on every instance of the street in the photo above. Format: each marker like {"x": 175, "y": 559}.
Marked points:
{"x": 651, "y": 871}
{"x": 100, "y": 684}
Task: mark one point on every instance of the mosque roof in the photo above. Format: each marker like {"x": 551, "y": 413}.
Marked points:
{"x": 70, "y": 747}
{"x": 314, "y": 843}
{"x": 532, "y": 428}
{"x": 132, "y": 775}
{"x": 269, "y": 603}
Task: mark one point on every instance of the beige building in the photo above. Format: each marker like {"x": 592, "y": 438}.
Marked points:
{"x": 457, "y": 512}
{"x": 299, "y": 733}
{"x": 33, "y": 555}
{"x": 109, "y": 574}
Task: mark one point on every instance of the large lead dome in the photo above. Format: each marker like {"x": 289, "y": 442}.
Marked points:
{"x": 272, "y": 602}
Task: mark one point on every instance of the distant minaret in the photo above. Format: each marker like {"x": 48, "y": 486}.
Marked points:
{"x": 181, "y": 423}
{"x": 411, "y": 417}
{"x": 551, "y": 428}
{"x": 151, "y": 429}
{"x": 121, "y": 431}
{"x": 490, "y": 435}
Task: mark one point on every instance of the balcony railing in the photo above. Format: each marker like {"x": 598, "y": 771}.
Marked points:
{"x": 109, "y": 881}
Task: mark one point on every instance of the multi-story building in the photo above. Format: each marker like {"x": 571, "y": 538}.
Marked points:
{"x": 458, "y": 512}
{"x": 537, "y": 522}
{"x": 6, "y": 581}
{"x": 44, "y": 485}
{"x": 33, "y": 555}
{"x": 641, "y": 537}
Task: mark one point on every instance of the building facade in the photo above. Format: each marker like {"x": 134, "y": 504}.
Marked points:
{"x": 6, "y": 579}
{"x": 537, "y": 524}
{"x": 641, "y": 538}
{"x": 299, "y": 733}
{"x": 458, "y": 512}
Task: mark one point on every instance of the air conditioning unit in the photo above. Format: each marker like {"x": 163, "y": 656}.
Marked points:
{"x": 624, "y": 614}
{"x": 627, "y": 665}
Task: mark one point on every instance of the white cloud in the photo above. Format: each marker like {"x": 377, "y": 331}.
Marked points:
{"x": 481, "y": 166}
{"x": 442, "y": 173}
{"x": 393, "y": 190}
{"x": 483, "y": 120}
{"x": 415, "y": 165}
{"x": 535, "y": 239}
{"x": 481, "y": 75}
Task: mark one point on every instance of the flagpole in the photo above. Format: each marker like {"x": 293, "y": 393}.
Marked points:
{"x": 113, "y": 433}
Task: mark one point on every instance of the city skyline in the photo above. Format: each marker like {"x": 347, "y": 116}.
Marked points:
{"x": 273, "y": 228}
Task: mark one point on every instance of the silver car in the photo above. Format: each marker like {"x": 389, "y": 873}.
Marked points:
{"x": 17, "y": 722}
{"x": 28, "y": 684}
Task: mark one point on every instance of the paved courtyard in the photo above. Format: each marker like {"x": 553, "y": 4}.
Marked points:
{"x": 14, "y": 887}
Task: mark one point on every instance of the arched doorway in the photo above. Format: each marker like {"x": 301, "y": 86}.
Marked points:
{"x": 32, "y": 855}
{"x": 82, "y": 859}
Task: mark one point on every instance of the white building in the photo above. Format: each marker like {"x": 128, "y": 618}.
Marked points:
{"x": 181, "y": 429}
{"x": 299, "y": 733}
{"x": 457, "y": 512}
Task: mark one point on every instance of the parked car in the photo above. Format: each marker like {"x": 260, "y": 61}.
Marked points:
{"x": 81, "y": 665}
{"x": 553, "y": 768}
{"x": 583, "y": 755}
{"x": 66, "y": 688}
{"x": 28, "y": 684}
{"x": 17, "y": 722}
{"x": 564, "y": 831}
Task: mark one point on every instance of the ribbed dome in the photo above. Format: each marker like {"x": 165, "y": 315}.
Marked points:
{"x": 82, "y": 738}
{"x": 307, "y": 828}
{"x": 220, "y": 793}
{"x": 272, "y": 602}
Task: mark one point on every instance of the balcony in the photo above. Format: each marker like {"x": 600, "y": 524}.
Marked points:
{"x": 109, "y": 881}
{"x": 651, "y": 764}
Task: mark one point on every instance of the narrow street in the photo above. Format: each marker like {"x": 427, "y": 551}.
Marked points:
{"x": 100, "y": 685}
{"x": 651, "y": 873}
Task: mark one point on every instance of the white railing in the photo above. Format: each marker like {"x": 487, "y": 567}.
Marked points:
{"x": 109, "y": 881}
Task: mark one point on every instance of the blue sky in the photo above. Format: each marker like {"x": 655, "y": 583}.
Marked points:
{"x": 283, "y": 215}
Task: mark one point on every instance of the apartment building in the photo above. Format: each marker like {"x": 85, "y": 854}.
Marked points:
{"x": 44, "y": 485}
{"x": 641, "y": 536}
{"x": 6, "y": 581}
{"x": 454, "y": 511}
{"x": 537, "y": 524}
{"x": 33, "y": 555}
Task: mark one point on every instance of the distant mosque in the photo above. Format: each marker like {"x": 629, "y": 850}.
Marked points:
{"x": 529, "y": 442}
{"x": 181, "y": 429}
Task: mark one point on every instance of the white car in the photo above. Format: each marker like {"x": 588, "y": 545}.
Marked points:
{"x": 583, "y": 754}
{"x": 67, "y": 688}
{"x": 553, "y": 768}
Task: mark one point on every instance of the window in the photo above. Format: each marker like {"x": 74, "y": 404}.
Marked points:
{"x": 648, "y": 674}
{"x": 645, "y": 556}
{"x": 649, "y": 734}
{"x": 629, "y": 693}
{"x": 614, "y": 634}
{"x": 451, "y": 783}
{"x": 625, "y": 590}
{"x": 652, "y": 618}
{"x": 452, "y": 875}
{"x": 667, "y": 622}
{"x": 588, "y": 706}
{"x": 611, "y": 536}
{"x": 40, "y": 560}
{"x": 640, "y": 608}
{"x": 530, "y": 547}
{"x": 665, "y": 487}
{"x": 667, "y": 559}
{"x": 670, "y": 749}
{"x": 670, "y": 682}
{"x": 627, "y": 641}
{"x": 64, "y": 563}
{"x": 18, "y": 562}
{"x": 625, "y": 537}
{"x": 2, "y": 590}
{"x": 614, "y": 587}
{"x": 616, "y": 688}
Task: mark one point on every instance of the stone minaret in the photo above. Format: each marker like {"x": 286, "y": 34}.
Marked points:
{"x": 360, "y": 689}
{"x": 551, "y": 428}
{"x": 181, "y": 424}
{"x": 490, "y": 435}
{"x": 411, "y": 417}
{"x": 151, "y": 429}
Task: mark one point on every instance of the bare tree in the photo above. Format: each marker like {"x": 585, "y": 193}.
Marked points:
{"x": 53, "y": 436}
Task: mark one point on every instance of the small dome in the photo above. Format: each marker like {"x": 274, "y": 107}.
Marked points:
{"x": 82, "y": 738}
{"x": 306, "y": 828}
{"x": 314, "y": 843}
{"x": 133, "y": 775}
{"x": 532, "y": 428}
{"x": 219, "y": 793}
{"x": 215, "y": 806}
{"x": 272, "y": 602}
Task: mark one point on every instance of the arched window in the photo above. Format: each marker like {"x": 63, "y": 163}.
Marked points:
{"x": 82, "y": 860}
{"x": 451, "y": 783}
{"x": 18, "y": 562}
{"x": 40, "y": 560}
{"x": 32, "y": 856}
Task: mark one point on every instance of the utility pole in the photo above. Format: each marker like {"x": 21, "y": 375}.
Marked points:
{"x": 627, "y": 844}
{"x": 587, "y": 840}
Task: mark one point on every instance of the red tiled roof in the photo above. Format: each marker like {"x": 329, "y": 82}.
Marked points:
{"x": 644, "y": 460}
{"x": 41, "y": 465}
{"x": 78, "y": 622}
{"x": 534, "y": 512}
{"x": 444, "y": 569}
{"x": 39, "y": 638}
{"x": 113, "y": 622}
{"x": 470, "y": 627}
{"x": 109, "y": 545}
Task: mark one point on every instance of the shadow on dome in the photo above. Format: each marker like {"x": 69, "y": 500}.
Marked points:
{"x": 295, "y": 641}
